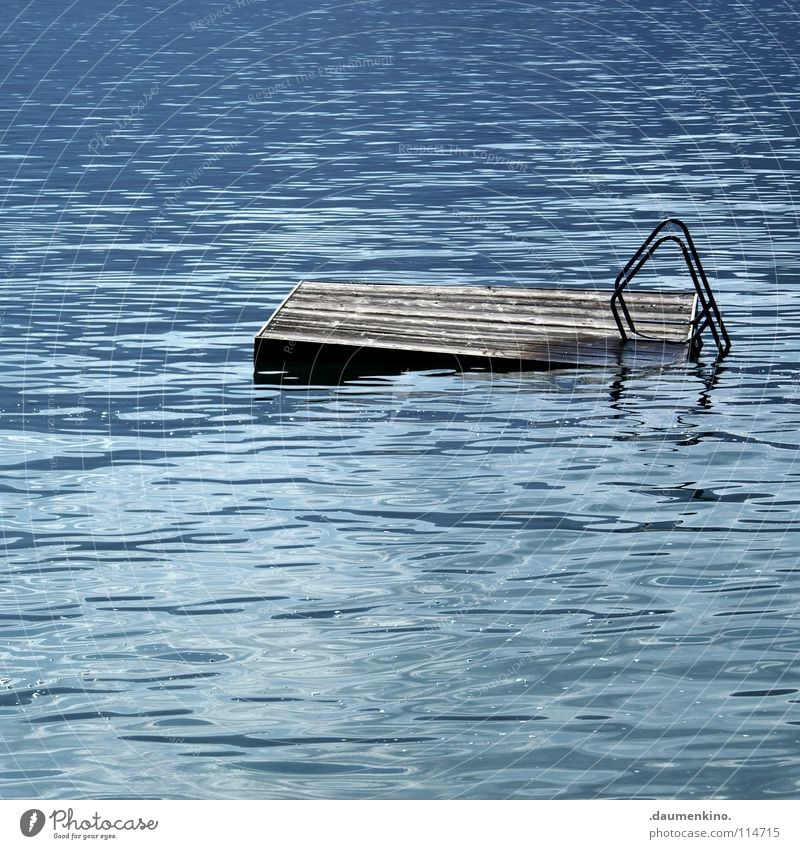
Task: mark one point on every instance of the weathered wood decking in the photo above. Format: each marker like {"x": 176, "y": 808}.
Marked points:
{"x": 325, "y": 321}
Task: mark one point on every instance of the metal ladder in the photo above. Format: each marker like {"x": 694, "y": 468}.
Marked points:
{"x": 708, "y": 316}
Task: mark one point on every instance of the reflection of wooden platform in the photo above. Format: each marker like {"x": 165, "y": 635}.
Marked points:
{"x": 425, "y": 326}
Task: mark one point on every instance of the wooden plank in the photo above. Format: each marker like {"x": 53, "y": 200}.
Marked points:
{"x": 558, "y": 349}
{"x": 499, "y": 333}
{"x": 491, "y": 293}
{"x": 304, "y": 301}
{"x": 652, "y": 323}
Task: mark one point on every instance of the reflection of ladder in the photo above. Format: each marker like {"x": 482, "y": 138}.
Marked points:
{"x": 708, "y": 314}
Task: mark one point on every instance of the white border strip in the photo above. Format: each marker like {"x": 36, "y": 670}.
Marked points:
{"x": 368, "y": 824}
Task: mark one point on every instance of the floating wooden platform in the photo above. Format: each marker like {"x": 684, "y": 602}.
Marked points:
{"x": 329, "y": 321}
{"x": 325, "y": 329}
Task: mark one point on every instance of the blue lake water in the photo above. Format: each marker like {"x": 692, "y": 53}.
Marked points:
{"x": 556, "y": 584}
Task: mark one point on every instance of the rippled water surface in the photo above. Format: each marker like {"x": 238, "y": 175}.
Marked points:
{"x": 569, "y": 584}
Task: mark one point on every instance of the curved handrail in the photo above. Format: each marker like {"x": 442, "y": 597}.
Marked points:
{"x": 709, "y": 315}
